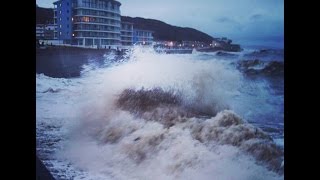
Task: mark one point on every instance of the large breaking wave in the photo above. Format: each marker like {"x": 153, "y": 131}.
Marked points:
{"x": 159, "y": 116}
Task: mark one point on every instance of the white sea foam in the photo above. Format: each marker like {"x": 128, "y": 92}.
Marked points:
{"x": 102, "y": 140}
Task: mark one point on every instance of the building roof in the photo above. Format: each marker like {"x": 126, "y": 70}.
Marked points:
{"x": 117, "y": 2}
{"x": 113, "y": 1}
{"x": 56, "y": 1}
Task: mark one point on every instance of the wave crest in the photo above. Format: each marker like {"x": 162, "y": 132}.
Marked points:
{"x": 225, "y": 127}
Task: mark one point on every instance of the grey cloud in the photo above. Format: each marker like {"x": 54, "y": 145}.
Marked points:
{"x": 225, "y": 20}
{"x": 256, "y": 17}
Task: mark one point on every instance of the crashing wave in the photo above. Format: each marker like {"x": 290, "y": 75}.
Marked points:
{"x": 259, "y": 67}
{"x": 224, "y": 127}
{"x": 178, "y": 126}
{"x": 266, "y": 54}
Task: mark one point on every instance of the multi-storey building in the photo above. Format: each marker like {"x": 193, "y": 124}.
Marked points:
{"x": 45, "y": 31}
{"x": 40, "y": 31}
{"x": 143, "y": 37}
{"x": 88, "y": 22}
{"x": 126, "y": 33}
{"x": 95, "y": 23}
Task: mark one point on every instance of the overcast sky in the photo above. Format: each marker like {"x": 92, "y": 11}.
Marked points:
{"x": 244, "y": 21}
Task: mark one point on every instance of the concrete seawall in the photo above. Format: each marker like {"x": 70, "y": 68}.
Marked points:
{"x": 66, "y": 62}
{"x": 42, "y": 172}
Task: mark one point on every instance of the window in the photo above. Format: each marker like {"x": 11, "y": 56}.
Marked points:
{"x": 67, "y": 25}
{"x": 60, "y": 12}
{"x": 60, "y": 26}
{"x": 60, "y": 33}
{"x": 67, "y": 3}
{"x": 68, "y": 11}
{"x": 60, "y": 4}
{"x": 67, "y": 18}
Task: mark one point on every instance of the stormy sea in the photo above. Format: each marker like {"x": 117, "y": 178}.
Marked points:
{"x": 200, "y": 116}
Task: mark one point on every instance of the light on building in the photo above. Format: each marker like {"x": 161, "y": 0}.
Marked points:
{"x": 180, "y": 45}
{"x": 86, "y": 19}
{"x": 143, "y": 42}
{"x": 202, "y": 45}
{"x": 215, "y": 44}
{"x": 71, "y": 19}
{"x": 171, "y": 43}
{"x": 210, "y": 44}
{"x": 192, "y": 45}
{"x": 73, "y": 34}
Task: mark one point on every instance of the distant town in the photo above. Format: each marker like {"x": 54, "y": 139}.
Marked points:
{"x": 98, "y": 24}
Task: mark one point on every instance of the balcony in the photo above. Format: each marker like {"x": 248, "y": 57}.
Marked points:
{"x": 92, "y": 23}
{"x": 98, "y": 37}
{"x": 97, "y": 8}
{"x": 126, "y": 30}
{"x": 130, "y": 36}
{"x": 91, "y": 30}
{"x": 102, "y": 17}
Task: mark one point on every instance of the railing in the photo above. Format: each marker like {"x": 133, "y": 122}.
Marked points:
{"x": 126, "y": 41}
{"x": 125, "y": 30}
{"x": 98, "y": 37}
{"x": 98, "y": 23}
{"x": 97, "y": 16}
{"x": 97, "y": 29}
{"x": 140, "y": 36}
{"x": 93, "y": 30}
{"x": 126, "y": 36}
{"x": 97, "y": 8}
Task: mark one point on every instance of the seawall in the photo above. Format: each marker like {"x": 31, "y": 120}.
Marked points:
{"x": 42, "y": 173}
{"x": 66, "y": 62}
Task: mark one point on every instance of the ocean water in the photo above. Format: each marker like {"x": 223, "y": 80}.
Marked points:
{"x": 165, "y": 116}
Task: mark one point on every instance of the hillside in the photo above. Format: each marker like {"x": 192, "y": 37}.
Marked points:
{"x": 162, "y": 31}
{"x": 44, "y": 15}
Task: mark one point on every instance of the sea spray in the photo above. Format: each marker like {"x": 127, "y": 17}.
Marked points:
{"x": 155, "y": 115}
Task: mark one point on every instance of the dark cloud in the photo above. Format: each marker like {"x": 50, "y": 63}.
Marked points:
{"x": 225, "y": 20}
{"x": 256, "y": 17}
{"x": 229, "y": 23}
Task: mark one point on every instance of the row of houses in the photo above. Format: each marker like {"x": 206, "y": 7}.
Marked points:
{"x": 94, "y": 23}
